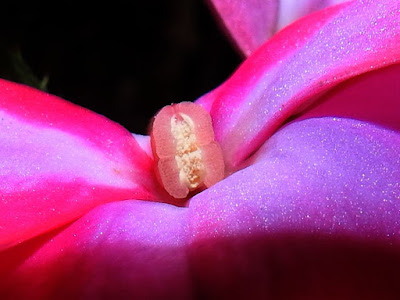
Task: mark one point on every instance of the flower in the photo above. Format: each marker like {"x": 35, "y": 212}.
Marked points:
{"x": 311, "y": 205}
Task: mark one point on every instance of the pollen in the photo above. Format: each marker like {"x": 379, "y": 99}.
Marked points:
{"x": 188, "y": 154}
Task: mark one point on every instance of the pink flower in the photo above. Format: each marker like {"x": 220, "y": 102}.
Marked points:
{"x": 311, "y": 207}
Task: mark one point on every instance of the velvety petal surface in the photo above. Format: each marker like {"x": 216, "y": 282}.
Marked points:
{"x": 252, "y": 22}
{"x": 58, "y": 161}
{"x": 319, "y": 204}
{"x": 312, "y": 216}
{"x": 372, "y": 97}
{"x": 301, "y": 62}
{"x": 119, "y": 250}
{"x": 323, "y": 175}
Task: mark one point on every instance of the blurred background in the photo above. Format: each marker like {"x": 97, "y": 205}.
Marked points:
{"x": 122, "y": 62}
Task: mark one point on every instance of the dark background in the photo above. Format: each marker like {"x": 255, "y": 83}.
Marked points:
{"x": 122, "y": 62}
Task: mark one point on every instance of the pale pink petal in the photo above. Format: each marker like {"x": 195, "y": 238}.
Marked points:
{"x": 291, "y": 10}
{"x": 249, "y": 23}
{"x": 252, "y": 22}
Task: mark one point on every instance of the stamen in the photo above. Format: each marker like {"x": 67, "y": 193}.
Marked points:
{"x": 186, "y": 155}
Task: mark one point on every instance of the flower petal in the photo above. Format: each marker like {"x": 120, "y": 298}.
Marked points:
{"x": 372, "y": 97}
{"x": 123, "y": 250}
{"x": 252, "y": 22}
{"x": 302, "y": 61}
{"x": 326, "y": 176}
{"x": 268, "y": 226}
{"x": 58, "y": 160}
{"x": 290, "y": 11}
{"x": 249, "y": 23}
{"x": 319, "y": 205}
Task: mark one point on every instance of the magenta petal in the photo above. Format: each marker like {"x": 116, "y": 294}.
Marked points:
{"x": 252, "y": 22}
{"x": 334, "y": 177}
{"x": 58, "y": 160}
{"x": 122, "y": 250}
{"x": 372, "y": 97}
{"x": 302, "y": 61}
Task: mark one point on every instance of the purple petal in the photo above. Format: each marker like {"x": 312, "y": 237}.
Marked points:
{"x": 303, "y": 61}
{"x": 309, "y": 218}
{"x": 327, "y": 176}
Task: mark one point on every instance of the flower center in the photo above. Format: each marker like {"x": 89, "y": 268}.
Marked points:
{"x": 186, "y": 155}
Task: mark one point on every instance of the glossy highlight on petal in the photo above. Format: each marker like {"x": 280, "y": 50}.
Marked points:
{"x": 304, "y": 60}
{"x": 186, "y": 155}
{"x": 58, "y": 160}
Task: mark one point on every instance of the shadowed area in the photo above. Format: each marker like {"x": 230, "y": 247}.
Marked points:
{"x": 283, "y": 266}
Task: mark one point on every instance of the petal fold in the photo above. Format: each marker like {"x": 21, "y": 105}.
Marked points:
{"x": 304, "y": 60}
{"x": 372, "y": 97}
{"x": 124, "y": 250}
